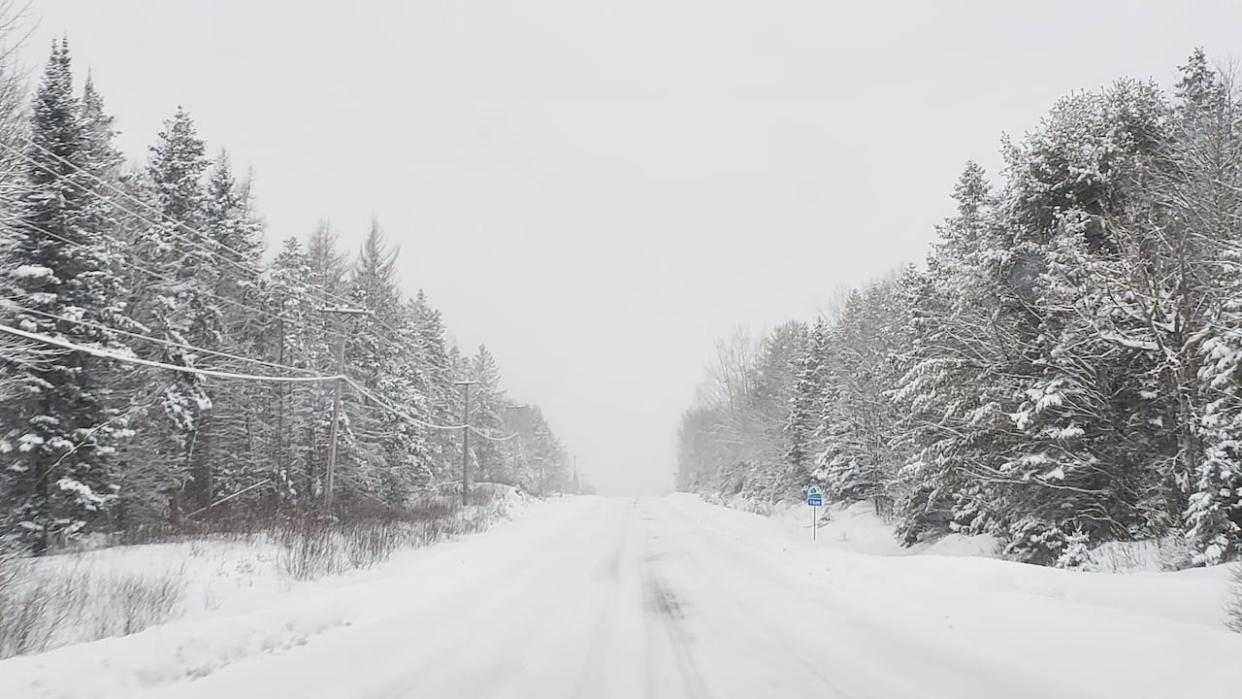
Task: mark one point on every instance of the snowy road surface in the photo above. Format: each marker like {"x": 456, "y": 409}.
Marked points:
{"x": 672, "y": 597}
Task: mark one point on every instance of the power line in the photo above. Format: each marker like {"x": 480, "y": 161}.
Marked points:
{"x": 401, "y": 413}
{"x": 395, "y": 410}
{"x": 219, "y": 374}
{"x": 211, "y": 243}
{"x": 98, "y": 352}
{"x": 87, "y": 190}
{"x": 148, "y": 338}
{"x": 212, "y": 247}
{"x": 316, "y": 378}
{"x": 488, "y": 436}
{"x": 165, "y": 277}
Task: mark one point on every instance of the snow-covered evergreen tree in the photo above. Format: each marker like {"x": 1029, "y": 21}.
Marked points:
{"x": 1203, "y": 183}
{"x": 807, "y": 407}
{"x": 861, "y": 450}
{"x": 298, "y": 416}
{"x": 487, "y": 414}
{"x": 408, "y": 466}
{"x": 766, "y": 412}
{"x": 173, "y": 305}
{"x": 956, "y": 380}
{"x": 166, "y": 263}
{"x": 374, "y": 357}
{"x": 436, "y": 368}
{"x": 61, "y": 430}
{"x": 1066, "y": 367}
{"x": 227, "y": 458}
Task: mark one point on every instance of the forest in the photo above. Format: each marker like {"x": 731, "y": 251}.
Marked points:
{"x": 161, "y": 367}
{"x": 1064, "y": 370}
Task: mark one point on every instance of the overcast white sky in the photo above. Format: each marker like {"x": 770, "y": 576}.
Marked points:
{"x": 598, "y": 191}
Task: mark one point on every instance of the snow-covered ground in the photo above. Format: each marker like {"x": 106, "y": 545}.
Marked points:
{"x": 95, "y": 593}
{"x": 673, "y": 597}
{"x": 88, "y": 595}
{"x": 857, "y": 528}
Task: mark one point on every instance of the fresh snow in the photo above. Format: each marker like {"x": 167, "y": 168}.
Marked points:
{"x": 674, "y": 597}
{"x": 32, "y": 272}
{"x": 856, "y": 528}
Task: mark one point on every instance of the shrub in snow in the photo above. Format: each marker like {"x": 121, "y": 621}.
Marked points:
{"x": 12, "y": 572}
{"x": 317, "y": 548}
{"x": 1075, "y": 554}
{"x": 1174, "y": 553}
{"x": 9, "y": 563}
{"x": 1035, "y": 541}
{"x": 53, "y": 601}
{"x": 1169, "y": 552}
{"x": 53, "y": 605}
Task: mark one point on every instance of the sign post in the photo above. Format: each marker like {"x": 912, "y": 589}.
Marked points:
{"x": 815, "y": 500}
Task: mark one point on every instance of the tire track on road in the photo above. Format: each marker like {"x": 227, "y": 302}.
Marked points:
{"x": 664, "y": 605}
{"x": 755, "y": 628}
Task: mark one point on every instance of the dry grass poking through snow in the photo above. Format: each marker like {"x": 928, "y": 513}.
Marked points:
{"x": 45, "y": 607}
{"x": 88, "y": 595}
{"x": 1167, "y": 553}
{"x": 314, "y": 548}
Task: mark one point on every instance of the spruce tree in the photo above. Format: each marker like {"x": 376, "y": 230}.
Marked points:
{"x": 408, "y": 467}
{"x": 62, "y": 429}
{"x": 956, "y": 380}
{"x": 860, "y": 456}
{"x": 300, "y": 415}
{"x": 227, "y": 458}
{"x": 442, "y": 398}
{"x": 174, "y": 307}
{"x": 487, "y": 415}
{"x": 804, "y": 428}
{"x": 1204, "y": 177}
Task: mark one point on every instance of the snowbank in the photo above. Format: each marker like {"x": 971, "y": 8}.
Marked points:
{"x": 94, "y": 594}
{"x": 251, "y": 612}
{"x": 1089, "y": 634}
{"x": 860, "y": 546}
{"x": 857, "y": 528}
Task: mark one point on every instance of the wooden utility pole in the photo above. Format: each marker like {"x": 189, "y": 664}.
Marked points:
{"x": 330, "y": 476}
{"x": 465, "y": 440}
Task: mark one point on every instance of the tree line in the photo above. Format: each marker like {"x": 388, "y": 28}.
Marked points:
{"x": 158, "y": 367}
{"x": 1064, "y": 370}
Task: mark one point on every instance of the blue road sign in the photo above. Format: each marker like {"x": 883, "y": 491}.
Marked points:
{"x": 815, "y": 500}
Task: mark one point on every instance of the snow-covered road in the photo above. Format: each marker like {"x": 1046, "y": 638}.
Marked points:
{"x": 672, "y": 597}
